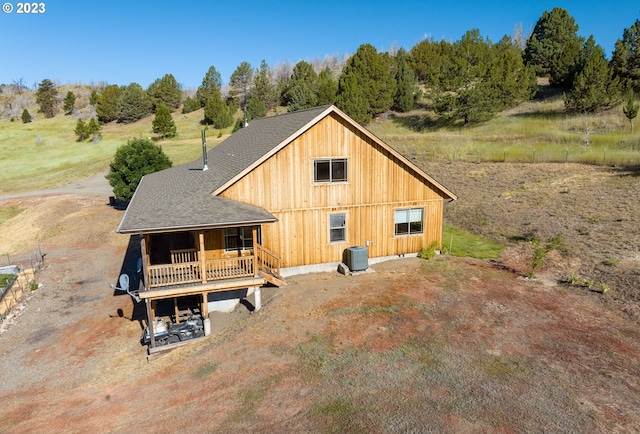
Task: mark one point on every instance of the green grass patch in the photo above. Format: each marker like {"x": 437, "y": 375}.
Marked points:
{"x": 205, "y": 370}
{"x": 458, "y": 242}
{"x": 5, "y": 279}
{"x": 8, "y": 212}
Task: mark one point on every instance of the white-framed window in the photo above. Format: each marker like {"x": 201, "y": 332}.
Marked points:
{"x": 337, "y": 227}
{"x": 409, "y": 221}
{"x": 236, "y": 239}
{"x": 330, "y": 170}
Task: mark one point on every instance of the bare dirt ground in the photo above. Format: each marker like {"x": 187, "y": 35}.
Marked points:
{"x": 447, "y": 345}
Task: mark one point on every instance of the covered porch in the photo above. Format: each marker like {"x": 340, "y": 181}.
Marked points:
{"x": 206, "y": 266}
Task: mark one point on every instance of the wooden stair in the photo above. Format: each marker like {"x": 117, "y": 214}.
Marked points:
{"x": 274, "y": 280}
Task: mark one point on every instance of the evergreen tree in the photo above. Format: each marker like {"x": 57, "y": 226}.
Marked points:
{"x": 216, "y": 112}
{"x": 301, "y": 94}
{"x": 210, "y": 83}
{"x": 367, "y": 86}
{"x": 26, "y": 116}
{"x": 554, "y": 46}
{"x": 263, "y": 90}
{"x": 165, "y": 91}
{"x": 81, "y": 130}
{"x": 46, "y": 97}
{"x": 190, "y": 105}
{"x": 626, "y": 58}
{"x": 93, "y": 99}
{"x": 133, "y": 104}
{"x": 327, "y": 87}
{"x": 594, "y": 88}
{"x": 107, "y": 104}
{"x": 631, "y": 108}
{"x": 69, "y": 103}
{"x": 256, "y": 107}
{"x": 93, "y": 129}
{"x": 131, "y": 162}
{"x": 240, "y": 82}
{"x": 407, "y": 84}
{"x": 511, "y": 80}
{"x": 163, "y": 122}
{"x": 426, "y": 60}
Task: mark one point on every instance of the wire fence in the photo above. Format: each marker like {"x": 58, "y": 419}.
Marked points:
{"x": 17, "y": 277}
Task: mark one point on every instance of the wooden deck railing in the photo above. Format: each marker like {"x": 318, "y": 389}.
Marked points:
{"x": 269, "y": 261}
{"x": 190, "y": 270}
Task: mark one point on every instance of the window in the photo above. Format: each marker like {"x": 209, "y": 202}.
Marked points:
{"x": 238, "y": 239}
{"x": 330, "y": 170}
{"x": 409, "y": 221}
{"x": 337, "y": 227}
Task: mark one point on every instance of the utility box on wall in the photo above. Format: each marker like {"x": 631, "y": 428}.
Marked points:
{"x": 357, "y": 258}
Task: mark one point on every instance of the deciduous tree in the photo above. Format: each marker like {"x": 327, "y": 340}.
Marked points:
{"x": 131, "y": 162}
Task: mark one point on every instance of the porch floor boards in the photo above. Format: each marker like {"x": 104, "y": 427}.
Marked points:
{"x": 199, "y": 288}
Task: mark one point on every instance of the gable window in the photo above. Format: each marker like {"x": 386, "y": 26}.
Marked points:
{"x": 409, "y": 221}
{"x": 236, "y": 239}
{"x": 330, "y": 170}
{"x": 337, "y": 227}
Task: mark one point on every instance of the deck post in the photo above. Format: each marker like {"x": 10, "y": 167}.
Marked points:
{"x": 203, "y": 260}
{"x": 150, "y": 320}
{"x": 256, "y": 252}
{"x": 257, "y": 299}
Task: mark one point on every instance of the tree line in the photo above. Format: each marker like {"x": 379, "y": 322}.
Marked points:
{"x": 463, "y": 82}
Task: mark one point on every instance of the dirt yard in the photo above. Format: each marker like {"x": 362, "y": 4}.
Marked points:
{"x": 446, "y": 345}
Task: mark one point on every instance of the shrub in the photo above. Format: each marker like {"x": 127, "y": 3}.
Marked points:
{"x": 427, "y": 252}
{"x": 131, "y": 162}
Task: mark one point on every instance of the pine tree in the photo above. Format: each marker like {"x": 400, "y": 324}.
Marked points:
{"x": 216, "y": 112}
{"x": 133, "y": 104}
{"x": 107, "y": 104}
{"x": 240, "y": 83}
{"x": 93, "y": 129}
{"x": 69, "y": 103}
{"x": 46, "y": 97}
{"x": 407, "y": 84}
{"x": 190, "y": 105}
{"x": 626, "y": 58}
{"x": 166, "y": 91}
{"x": 367, "y": 85}
{"x": 93, "y": 99}
{"x": 163, "y": 122}
{"x": 631, "y": 108}
{"x": 81, "y": 130}
{"x": 263, "y": 89}
{"x": 26, "y": 116}
{"x": 327, "y": 87}
{"x": 426, "y": 61}
{"x": 554, "y": 46}
{"x": 210, "y": 83}
{"x": 594, "y": 88}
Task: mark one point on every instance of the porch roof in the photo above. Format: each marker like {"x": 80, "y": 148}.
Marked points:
{"x": 180, "y": 198}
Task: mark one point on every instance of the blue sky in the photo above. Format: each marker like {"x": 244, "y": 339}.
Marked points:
{"x": 120, "y": 42}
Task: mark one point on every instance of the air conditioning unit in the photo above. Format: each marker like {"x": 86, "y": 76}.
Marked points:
{"x": 357, "y": 258}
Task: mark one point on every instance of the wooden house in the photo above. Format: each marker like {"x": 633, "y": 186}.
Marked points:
{"x": 282, "y": 195}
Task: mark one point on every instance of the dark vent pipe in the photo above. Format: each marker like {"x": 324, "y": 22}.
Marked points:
{"x": 204, "y": 151}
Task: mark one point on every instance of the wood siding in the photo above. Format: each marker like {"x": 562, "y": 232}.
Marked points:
{"x": 378, "y": 184}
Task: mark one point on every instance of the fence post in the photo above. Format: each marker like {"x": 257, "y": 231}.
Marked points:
{"x": 604, "y": 160}
{"x": 566, "y": 155}
{"x": 534, "y": 155}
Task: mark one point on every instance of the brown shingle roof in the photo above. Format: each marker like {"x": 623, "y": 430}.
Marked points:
{"x": 181, "y": 197}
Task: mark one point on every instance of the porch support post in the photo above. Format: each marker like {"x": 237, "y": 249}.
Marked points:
{"x": 257, "y": 299}
{"x": 150, "y": 320}
{"x": 203, "y": 261}
{"x": 256, "y": 252}
{"x": 143, "y": 251}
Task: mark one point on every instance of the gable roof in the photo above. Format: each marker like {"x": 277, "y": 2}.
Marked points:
{"x": 185, "y": 197}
